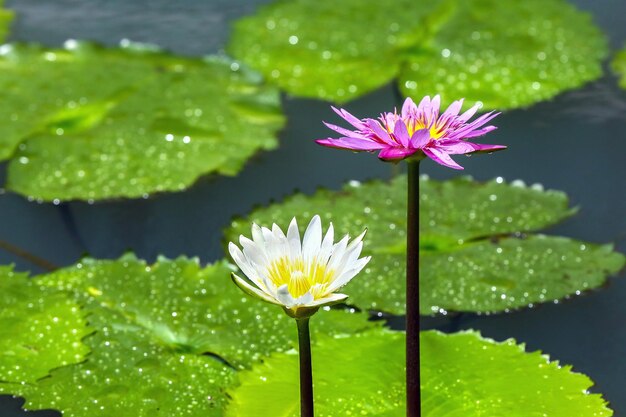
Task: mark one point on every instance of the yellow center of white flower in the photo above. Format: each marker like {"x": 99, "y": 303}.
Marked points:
{"x": 300, "y": 278}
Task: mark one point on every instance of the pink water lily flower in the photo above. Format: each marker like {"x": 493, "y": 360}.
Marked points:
{"x": 418, "y": 131}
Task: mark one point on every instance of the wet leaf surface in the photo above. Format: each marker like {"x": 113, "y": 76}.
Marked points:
{"x": 476, "y": 253}
{"x": 463, "y": 374}
{"x": 168, "y": 338}
{"x": 39, "y": 331}
{"x": 89, "y": 123}
{"x": 503, "y": 54}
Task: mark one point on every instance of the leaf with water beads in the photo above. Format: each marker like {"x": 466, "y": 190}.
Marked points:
{"x": 463, "y": 374}
{"x": 167, "y": 338}
{"x": 619, "y": 66}
{"x": 39, "y": 330}
{"x": 475, "y": 252}
{"x": 86, "y": 122}
{"x": 505, "y": 54}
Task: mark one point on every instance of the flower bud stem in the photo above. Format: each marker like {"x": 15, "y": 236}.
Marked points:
{"x": 412, "y": 294}
{"x": 306, "y": 373}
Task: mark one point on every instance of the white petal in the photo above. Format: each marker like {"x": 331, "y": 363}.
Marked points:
{"x": 327, "y": 246}
{"x": 304, "y": 300}
{"x": 331, "y": 299}
{"x": 257, "y": 235}
{"x": 284, "y": 296}
{"x": 339, "y": 250}
{"x": 312, "y": 239}
{"x": 243, "y": 264}
{"x": 255, "y": 254}
{"x": 250, "y": 290}
{"x": 293, "y": 236}
{"x": 347, "y": 275}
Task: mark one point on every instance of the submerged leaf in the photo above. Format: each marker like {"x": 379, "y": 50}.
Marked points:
{"x": 39, "y": 330}
{"x": 505, "y": 54}
{"x": 86, "y": 122}
{"x": 463, "y": 374}
{"x": 473, "y": 253}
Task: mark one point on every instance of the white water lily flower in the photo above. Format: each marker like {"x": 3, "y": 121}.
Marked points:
{"x": 300, "y": 277}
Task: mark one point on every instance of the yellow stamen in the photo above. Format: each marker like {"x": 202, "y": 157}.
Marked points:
{"x": 300, "y": 277}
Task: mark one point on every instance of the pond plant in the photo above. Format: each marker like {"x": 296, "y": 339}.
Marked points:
{"x": 419, "y": 131}
{"x": 131, "y": 338}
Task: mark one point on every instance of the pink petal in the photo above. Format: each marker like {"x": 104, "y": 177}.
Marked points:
{"x": 453, "y": 146}
{"x": 379, "y": 131}
{"x": 479, "y": 132}
{"x": 452, "y": 111}
{"x": 353, "y": 144}
{"x": 408, "y": 108}
{"x": 441, "y": 158}
{"x": 395, "y": 154}
{"x": 469, "y": 113}
{"x": 348, "y": 117}
{"x": 420, "y": 138}
{"x": 462, "y": 132}
{"x": 344, "y": 132}
{"x": 401, "y": 134}
{"x": 482, "y": 147}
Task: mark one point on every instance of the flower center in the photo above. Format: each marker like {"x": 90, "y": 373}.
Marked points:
{"x": 299, "y": 277}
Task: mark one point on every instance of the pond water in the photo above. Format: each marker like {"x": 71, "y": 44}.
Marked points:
{"x": 575, "y": 143}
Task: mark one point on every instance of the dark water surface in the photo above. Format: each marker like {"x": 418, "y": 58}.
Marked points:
{"x": 576, "y": 143}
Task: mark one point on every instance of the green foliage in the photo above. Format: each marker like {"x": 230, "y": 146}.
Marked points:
{"x": 6, "y": 17}
{"x": 86, "y": 122}
{"x": 475, "y": 252}
{"x": 463, "y": 375}
{"x": 619, "y": 66}
{"x": 168, "y": 337}
{"x": 38, "y": 331}
{"x": 504, "y": 54}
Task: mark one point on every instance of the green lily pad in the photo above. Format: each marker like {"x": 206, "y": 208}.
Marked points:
{"x": 168, "y": 338}
{"x": 86, "y": 122}
{"x": 190, "y": 308}
{"x": 38, "y": 331}
{"x": 475, "y": 251}
{"x": 6, "y": 17}
{"x": 505, "y": 54}
{"x": 619, "y": 66}
{"x": 463, "y": 374}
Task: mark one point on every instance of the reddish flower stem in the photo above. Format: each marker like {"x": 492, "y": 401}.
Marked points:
{"x": 412, "y": 294}
{"x": 306, "y": 372}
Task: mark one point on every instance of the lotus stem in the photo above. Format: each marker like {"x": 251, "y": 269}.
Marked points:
{"x": 306, "y": 372}
{"x": 412, "y": 294}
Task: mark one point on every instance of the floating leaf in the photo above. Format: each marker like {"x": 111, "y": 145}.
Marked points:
{"x": 473, "y": 255}
{"x": 463, "y": 374}
{"x": 165, "y": 338}
{"x": 89, "y": 123}
{"x": 505, "y": 54}
{"x": 192, "y": 309}
{"x": 38, "y": 331}
{"x": 619, "y": 66}
{"x": 6, "y": 17}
